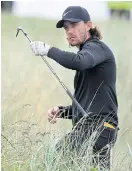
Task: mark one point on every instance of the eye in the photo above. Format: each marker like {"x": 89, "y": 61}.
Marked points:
{"x": 74, "y": 24}
{"x": 65, "y": 27}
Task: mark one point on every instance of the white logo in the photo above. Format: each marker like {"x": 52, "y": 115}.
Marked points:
{"x": 66, "y": 13}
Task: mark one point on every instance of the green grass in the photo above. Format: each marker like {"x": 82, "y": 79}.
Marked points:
{"x": 29, "y": 88}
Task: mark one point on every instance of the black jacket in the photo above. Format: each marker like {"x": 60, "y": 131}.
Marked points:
{"x": 94, "y": 82}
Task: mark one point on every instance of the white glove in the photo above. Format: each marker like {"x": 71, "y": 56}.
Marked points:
{"x": 40, "y": 48}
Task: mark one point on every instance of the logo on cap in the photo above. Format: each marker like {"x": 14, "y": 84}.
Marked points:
{"x": 67, "y": 13}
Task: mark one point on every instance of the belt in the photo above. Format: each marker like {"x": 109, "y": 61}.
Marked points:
{"x": 106, "y": 124}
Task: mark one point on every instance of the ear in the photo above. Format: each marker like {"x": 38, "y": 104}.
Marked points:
{"x": 89, "y": 25}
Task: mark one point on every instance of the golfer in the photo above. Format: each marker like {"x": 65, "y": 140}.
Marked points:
{"x": 94, "y": 82}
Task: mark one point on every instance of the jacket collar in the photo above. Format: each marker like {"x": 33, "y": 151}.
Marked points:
{"x": 89, "y": 39}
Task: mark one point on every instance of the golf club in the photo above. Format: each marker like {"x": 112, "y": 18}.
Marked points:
{"x": 62, "y": 84}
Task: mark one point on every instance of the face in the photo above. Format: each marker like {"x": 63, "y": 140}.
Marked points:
{"x": 77, "y": 33}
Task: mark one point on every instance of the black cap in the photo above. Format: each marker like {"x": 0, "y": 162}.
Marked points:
{"x": 74, "y": 14}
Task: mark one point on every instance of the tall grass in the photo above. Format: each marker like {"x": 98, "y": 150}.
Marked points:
{"x": 29, "y": 148}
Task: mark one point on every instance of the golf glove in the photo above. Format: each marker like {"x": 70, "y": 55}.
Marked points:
{"x": 40, "y": 48}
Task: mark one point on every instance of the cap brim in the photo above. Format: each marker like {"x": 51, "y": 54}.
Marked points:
{"x": 61, "y": 22}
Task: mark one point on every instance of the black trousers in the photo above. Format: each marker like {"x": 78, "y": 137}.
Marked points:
{"x": 90, "y": 134}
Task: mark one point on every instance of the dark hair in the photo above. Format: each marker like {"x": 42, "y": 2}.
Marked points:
{"x": 94, "y": 32}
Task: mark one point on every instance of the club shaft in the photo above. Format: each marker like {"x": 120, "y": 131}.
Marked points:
{"x": 65, "y": 88}
{"x": 27, "y": 36}
{"x": 62, "y": 84}
{"x": 29, "y": 39}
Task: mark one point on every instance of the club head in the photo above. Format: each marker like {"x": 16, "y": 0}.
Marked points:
{"x": 21, "y": 29}
{"x": 18, "y": 29}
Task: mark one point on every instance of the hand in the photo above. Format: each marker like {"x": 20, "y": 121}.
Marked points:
{"x": 40, "y": 48}
{"x": 53, "y": 114}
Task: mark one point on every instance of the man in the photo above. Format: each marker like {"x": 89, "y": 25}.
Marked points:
{"x": 94, "y": 81}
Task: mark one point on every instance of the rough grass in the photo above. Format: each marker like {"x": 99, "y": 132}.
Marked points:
{"x": 29, "y": 89}
{"x": 27, "y": 147}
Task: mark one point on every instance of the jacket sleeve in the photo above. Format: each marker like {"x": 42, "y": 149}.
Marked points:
{"x": 87, "y": 58}
{"x": 65, "y": 112}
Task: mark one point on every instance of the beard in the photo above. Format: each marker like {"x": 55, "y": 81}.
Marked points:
{"x": 78, "y": 41}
